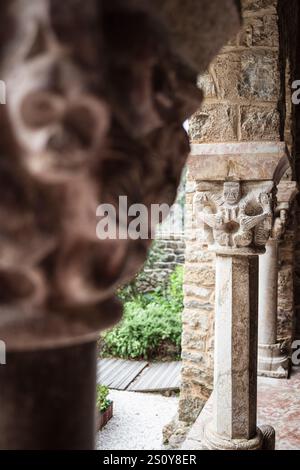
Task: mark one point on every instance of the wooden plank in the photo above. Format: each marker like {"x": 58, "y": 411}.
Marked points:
{"x": 118, "y": 374}
{"x": 158, "y": 377}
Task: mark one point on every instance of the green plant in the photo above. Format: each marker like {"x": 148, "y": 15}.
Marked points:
{"x": 149, "y": 321}
{"x": 102, "y": 401}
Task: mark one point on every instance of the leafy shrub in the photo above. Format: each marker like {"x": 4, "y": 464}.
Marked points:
{"x": 149, "y": 320}
{"x": 102, "y": 401}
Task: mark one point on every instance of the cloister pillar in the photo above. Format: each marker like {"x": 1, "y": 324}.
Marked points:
{"x": 234, "y": 211}
{"x": 273, "y": 361}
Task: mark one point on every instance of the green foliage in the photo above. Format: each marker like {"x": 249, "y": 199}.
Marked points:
{"x": 102, "y": 401}
{"x": 149, "y": 321}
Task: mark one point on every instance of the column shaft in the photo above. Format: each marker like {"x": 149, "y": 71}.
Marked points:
{"x": 236, "y": 347}
{"x": 268, "y": 286}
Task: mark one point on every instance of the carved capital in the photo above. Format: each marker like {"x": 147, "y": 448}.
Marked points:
{"x": 234, "y": 216}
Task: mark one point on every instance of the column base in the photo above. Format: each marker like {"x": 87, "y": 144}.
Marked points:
{"x": 264, "y": 440}
{"x": 273, "y": 361}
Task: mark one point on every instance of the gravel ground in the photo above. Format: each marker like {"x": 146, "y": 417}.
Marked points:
{"x": 138, "y": 421}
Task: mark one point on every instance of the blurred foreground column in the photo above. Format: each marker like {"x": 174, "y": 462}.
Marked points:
{"x": 48, "y": 399}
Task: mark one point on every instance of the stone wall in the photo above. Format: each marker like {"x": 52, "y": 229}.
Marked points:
{"x": 244, "y": 102}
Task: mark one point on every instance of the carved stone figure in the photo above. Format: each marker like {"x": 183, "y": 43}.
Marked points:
{"x": 235, "y": 219}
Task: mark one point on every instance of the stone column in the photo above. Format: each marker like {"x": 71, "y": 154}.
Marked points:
{"x": 234, "y": 208}
{"x": 234, "y": 416}
{"x": 273, "y": 360}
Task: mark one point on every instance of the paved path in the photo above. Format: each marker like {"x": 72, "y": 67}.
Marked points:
{"x": 139, "y": 376}
{"x": 137, "y": 422}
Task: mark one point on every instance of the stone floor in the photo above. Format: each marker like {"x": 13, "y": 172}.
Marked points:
{"x": 278, "y": 405}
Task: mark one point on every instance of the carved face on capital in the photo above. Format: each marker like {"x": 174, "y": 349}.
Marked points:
{"x": 231, "y": 193}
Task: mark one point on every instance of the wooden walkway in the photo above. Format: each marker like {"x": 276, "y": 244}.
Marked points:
{"x": 139, "y": 376}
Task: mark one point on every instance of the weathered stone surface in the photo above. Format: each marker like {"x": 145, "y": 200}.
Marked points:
{"x": 259, "y": 79}
{"x": 199, "y": 292}
{"x": 194, "y": 253}
{"x": 194, "y": 319}
{"x": 255, "y": 161}
{"x": 190, "y": 407}
{"x": 203, "y": 275}
{"x": 174, "y": 433}
{"x": 214, "y": 123}
{"x": 197, "y": 304}
{"x": 256, "y": 5}
{"x": 250, "y": 75}
{"x": 260, "y": 31}
{"x": 192, "y": 340}
{"x": 227, "y": 72}
{"x": 167, "y": 254}
{"x": 207, "y": 84}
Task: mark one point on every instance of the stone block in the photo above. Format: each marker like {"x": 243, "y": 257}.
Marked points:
{"x": 197, "y": 291}
{"x": 254, "y": 6}
{"x": 194, "y": 254}
{"x": 196, "y": 319}
{"x": 197, "y": 304}
{"x": 190, "y": 407}
{"x": 190, "y": 187}
{"x": 202, "y": 275}
{"x": 259, "y": 78}
{"x": 227, "y": 71}
{"x": 260, "y": 31}
{"x": 214, "y": 123}
{"x": 207, "y": 85}
{"x": 260, "y": 123}
{"x": 195, "y": 357}
{"x": 249, "y": 161}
